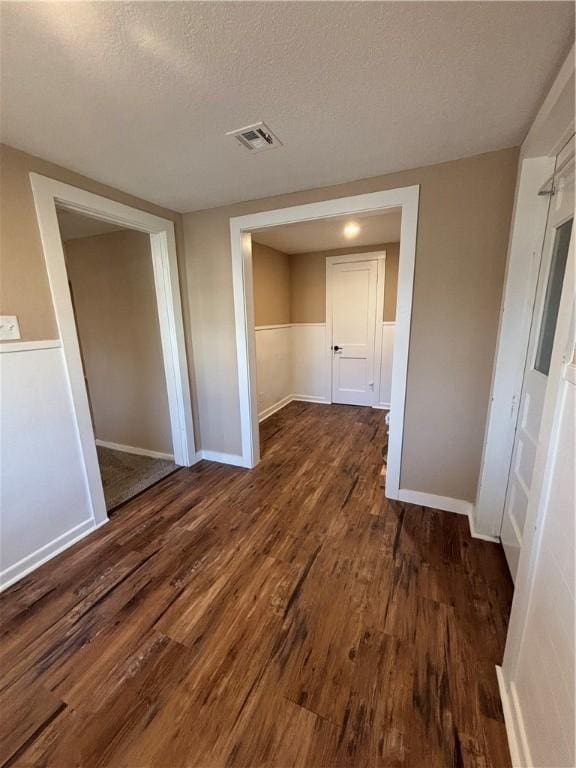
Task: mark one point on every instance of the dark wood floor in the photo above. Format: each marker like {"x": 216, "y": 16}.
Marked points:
{"x": 285, "y": 616}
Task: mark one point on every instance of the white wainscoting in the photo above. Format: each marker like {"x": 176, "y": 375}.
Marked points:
{"x": 291, "y": 364}
{"x": 45, "y": 505}
{"x": 274, "y": 367}
{"x": 309, "y": 362}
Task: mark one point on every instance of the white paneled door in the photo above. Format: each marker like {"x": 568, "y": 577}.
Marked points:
{"x": 542, "y": 334}
{"x": 354, "y": 288}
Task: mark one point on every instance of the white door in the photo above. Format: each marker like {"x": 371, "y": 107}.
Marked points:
{"x": 543, "y": 327}
{"x": 354, "y": 298}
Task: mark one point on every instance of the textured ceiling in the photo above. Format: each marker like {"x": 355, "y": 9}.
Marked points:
{"x": 140, "y": 95}
{"x": 327, "y": 234}
{"x": 74, "y": 225}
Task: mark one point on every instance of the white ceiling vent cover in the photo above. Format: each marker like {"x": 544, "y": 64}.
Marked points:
{"x": 256, "y": 138}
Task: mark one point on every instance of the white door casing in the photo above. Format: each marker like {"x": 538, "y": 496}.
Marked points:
{"x": 535, "y": 379}
{"x": 48, "y": 193}
{"x": 351, "y": 312}
{"x": 405, "y": 198}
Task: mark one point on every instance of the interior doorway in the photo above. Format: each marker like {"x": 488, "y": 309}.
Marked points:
{"x": 354, "y": 304}
{"x": 244, "y": 229}
{"x": 51, "y": 196}
{"x": 111, "y": 283}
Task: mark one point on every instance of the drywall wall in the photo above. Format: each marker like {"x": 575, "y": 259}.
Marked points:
{"x": 50, "y": 505}
{"x": 44, "y": 503}
{"x": 24, "y": 289}
{"x": 271, "y": 274}
{"x": 115, "y": 305}
{"x": 464, "y": 219}
{"x": 308, "y": 270}
{"x": 291, "y": 364}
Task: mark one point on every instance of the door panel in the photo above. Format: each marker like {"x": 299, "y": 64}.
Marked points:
{"x": 354, "y": 287}
{"x": 543, "y": 326}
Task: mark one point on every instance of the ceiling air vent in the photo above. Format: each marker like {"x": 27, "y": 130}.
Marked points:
{"x": 256, "y": 138}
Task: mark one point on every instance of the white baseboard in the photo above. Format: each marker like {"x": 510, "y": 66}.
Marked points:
{"x": 221, "y": 458}
{"x": 290, "y": 399}
{"x": 382, "y": 406}
{"x": 459, "y": 506}
{"x": 517, "y": 742}
{"x": 273, "y": 408}
{"x": 312, "y": 399}
{"x": 133, "y": 449}
{"x": 447, "y": 504}
{"x": 34, "y": 560}
{"x": 477, "y": 535}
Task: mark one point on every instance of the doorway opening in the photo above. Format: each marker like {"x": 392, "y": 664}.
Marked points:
{"x": 325, "y": 296}
{"x": 116, "y": 298}
{"x": 350, "y": 373}
{"x": 111, "y": 283}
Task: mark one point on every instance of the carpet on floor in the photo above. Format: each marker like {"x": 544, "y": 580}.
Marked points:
{"x": 126, "y": 474}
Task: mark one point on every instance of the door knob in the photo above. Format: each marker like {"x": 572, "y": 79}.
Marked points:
{"x": 336, "y": 348}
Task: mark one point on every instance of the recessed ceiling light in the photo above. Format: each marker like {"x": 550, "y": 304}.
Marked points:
{"x": 351, "y": 230}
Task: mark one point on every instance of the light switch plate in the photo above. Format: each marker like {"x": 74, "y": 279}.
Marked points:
{"x": 9, "y": 328}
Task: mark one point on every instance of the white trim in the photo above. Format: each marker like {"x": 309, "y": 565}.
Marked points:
{"x": 240, "y": 227}
{"x": 47, "y": 194}
{"x": 545, "y": 138}
{"x": 570, "y": 373}
{"x": 312, "y": 399}
{"x": 515, "y": 731}
{"x": 288, "y": 325}
{"x": 542, "y": 474}
{"x": 549, "y": 103}
{"x": 272, "y": 327}
{"x": 133, "y": 449}
{"x": 267, "y": 412}
{"x": 354, "y": 258}
{"x": 388, "y": 322}
{"x": 221, "y": 458}
{"x": 34, "y": 560}
{"x": 29, "y": 346}
{"x": 445, "y": 503}
{"x": 477, "y": 534}
{"x": 379, "y": 329}
{"x": 382, "y": 406}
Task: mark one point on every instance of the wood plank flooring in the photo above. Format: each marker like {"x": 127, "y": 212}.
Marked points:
{"x": 284, "y": 616}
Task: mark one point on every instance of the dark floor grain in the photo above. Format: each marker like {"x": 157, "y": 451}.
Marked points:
{"x": 284, "y": 616}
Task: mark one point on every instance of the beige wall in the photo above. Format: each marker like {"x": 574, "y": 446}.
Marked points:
{"x": 292, "y": 288}
{"x": 271, "y": 273}
{"x": 24, "y": 288}
{"x": 391, "y": 281}
{"x": 115, "y": 306}
{"x": 308, "y": 272}
{"x": 464, "y": 218}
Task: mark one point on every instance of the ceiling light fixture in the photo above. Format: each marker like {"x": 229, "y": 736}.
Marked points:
{"x": 351, "y": 230}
